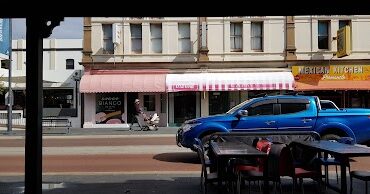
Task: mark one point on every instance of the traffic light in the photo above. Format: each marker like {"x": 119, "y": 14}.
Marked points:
{"x": 5, "y": 63}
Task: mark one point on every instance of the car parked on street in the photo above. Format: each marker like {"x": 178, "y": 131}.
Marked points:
{"x": 282, "y": 112}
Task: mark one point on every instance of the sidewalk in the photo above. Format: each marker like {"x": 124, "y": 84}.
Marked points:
{"x": 91, "y": 131}
{"x": 146, "y": 184}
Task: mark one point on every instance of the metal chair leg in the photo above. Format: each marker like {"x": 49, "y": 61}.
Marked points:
{"x": 301, "y": 183}
{"x": 336, "y": 172}
{"x": 366, "y": 186}
{"x": 351, "y": 182}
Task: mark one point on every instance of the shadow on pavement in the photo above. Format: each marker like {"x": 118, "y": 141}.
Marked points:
{"x": 178, "y": 157}
{"x": 149, "y": 184}
{"x": 177, "y": 185}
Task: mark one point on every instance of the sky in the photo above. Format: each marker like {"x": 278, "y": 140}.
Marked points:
{"x": 69, "y": 28}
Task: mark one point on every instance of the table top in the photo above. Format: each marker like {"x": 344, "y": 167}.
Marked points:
{"x": 337, "y": 148}
{"x": 234, "y": 149}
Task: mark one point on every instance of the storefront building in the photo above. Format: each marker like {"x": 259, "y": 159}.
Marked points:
{"x": 346, "y": 85}
{"x": 200, "y": 73}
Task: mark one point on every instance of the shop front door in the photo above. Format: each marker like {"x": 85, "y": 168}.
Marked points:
{"x": 184, "y": 106}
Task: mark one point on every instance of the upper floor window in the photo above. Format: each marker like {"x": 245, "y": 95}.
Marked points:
{"x": 136, "y": 38}
{"x": 156, "y": 37}
{"x": 107, "y": 39}
{"x": 343, "y": 23}
{"x": 323, "y": 35}
{"x": 236, "y": 37}
{"x": 257, "y": 36}
{"x": 184, "y": 38}
{"x": 70, "y": 64}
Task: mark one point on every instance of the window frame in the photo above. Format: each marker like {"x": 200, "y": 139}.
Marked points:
{"x": 73, "y": 64}
{"x": 156, "y": 38}
{"x": 70, "y": 101}
{"x": 327, "y": 35}
{"x": 184, "y": 38}
{"x": 153, "y": 96}
{"x": 257, "y": 36}
{"x": 107, "y": 38}
{"x": 234, "y": 36}
{"x": 139, "y": 37}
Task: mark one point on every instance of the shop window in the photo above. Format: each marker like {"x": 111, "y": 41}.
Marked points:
{"x": 136, "y": 38}
{"x": 58, "y": 98}
{"x": 163, "y": 103}
{"x": 149, "y": 102}
{"x": 156, "y": 37}
{"x": 19, "y": 100}
{"x": 218, "y": 102}
{"x": 184, "y": 38}
{"x": 323, "y": 35}
{"x": 236, "y": 37}
{"x": 109, "y": 108}
{"x": 287, "y": 108}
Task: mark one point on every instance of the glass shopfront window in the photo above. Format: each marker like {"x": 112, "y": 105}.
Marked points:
{"x": 184, "y": 106}
{"x": 19, "y": 100}
{"x": 109, "y": 108}
{"x": 58, "y": 98}
{"x": 149, "y": 102}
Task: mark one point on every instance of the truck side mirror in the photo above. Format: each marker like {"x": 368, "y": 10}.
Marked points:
{"x": 242, "y": 113}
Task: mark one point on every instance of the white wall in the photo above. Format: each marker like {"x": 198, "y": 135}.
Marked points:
{"x": 306, "y": 32}
{"x": 54, "y": 65}
{"x": 169, "y": 40}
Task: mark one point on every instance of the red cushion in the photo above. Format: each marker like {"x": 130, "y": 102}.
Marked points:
{"x": 246, "y": 168}
{"x": 303, "y": 173}
{"x": 263, "y": 145}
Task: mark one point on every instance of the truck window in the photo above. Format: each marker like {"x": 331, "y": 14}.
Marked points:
{"x": 287, "y": 108}
{"x": 264, "y": 109}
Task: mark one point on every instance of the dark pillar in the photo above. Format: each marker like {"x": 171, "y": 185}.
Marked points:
{"x": 33, "y": 147}
{"x": 37, "y": 29}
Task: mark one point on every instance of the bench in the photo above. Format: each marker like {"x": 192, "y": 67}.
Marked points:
{"x": 57, "y": 122}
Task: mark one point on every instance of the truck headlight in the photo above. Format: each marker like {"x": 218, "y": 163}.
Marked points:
{"x": 187, "y": 127}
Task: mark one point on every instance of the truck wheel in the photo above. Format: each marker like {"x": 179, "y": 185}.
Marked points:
{"x": 330, "y": 137}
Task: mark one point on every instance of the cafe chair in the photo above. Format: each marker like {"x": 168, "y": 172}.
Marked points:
{"x": 326, "y": 162}
{"x": 361, "y": 175}
{"x": 206, "y": 176}
{"x": 289, "y": 168}
{"x": 249, "y": 171}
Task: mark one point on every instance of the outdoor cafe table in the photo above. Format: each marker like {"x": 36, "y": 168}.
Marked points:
{"x": 340, "y": 151}
{"x": 236, "y": 149}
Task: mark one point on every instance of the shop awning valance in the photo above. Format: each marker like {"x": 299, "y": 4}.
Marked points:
{"x": 229, "y": 81}
{"x": 123, "y": 83}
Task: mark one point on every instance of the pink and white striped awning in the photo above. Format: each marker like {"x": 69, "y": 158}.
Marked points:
{"x": 229, "y": 81}
{"x": 123, "y": 81}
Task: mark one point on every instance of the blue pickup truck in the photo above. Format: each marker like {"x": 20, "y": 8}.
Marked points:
{"x": 282, "y": 112}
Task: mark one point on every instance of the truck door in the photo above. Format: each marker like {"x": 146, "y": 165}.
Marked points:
{"x": 260, "y": 117}
{"x": 296, "y": 114}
